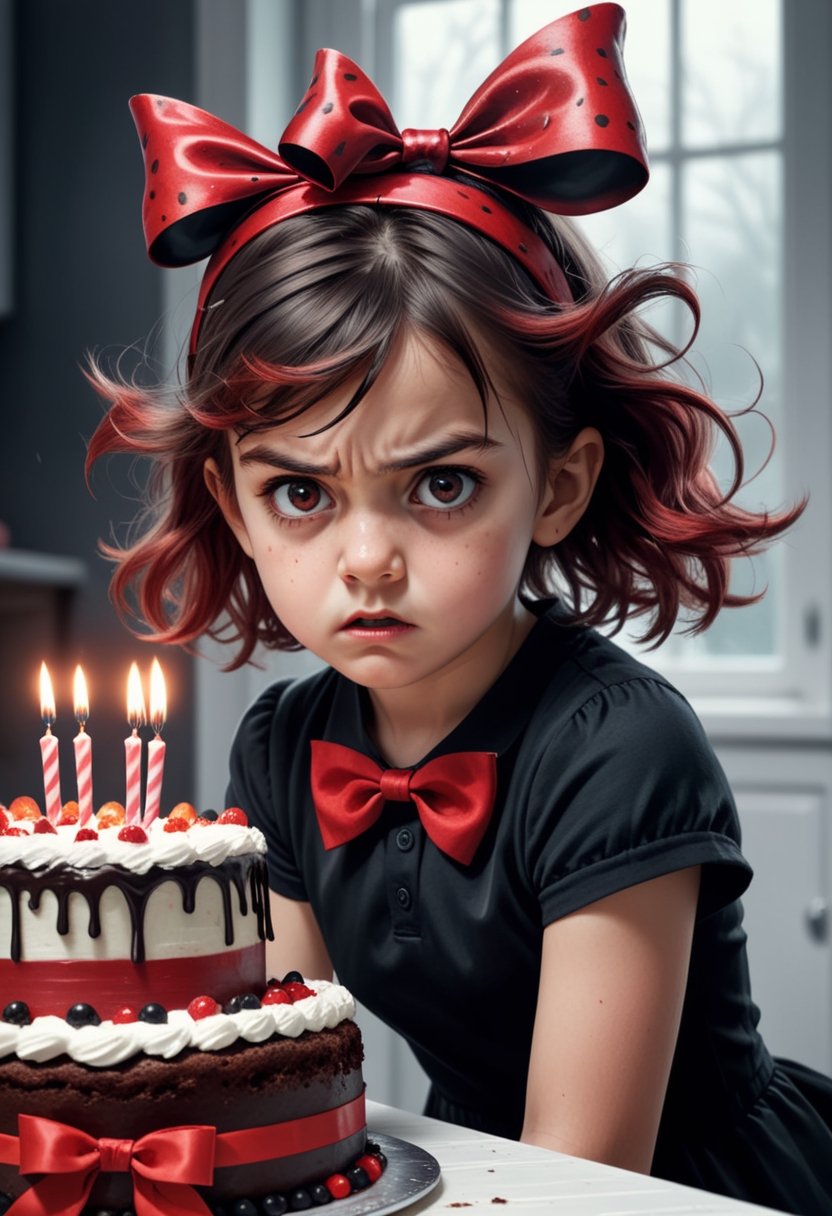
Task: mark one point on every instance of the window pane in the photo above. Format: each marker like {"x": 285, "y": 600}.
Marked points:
{"x": 639, "y": 231}
{"x": 646, "y": 55}
{"x": 442, "y": 52}
{"x": 732, "y": 71}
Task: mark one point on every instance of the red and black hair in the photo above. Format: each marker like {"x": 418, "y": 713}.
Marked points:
{"x": 318, "y": 301}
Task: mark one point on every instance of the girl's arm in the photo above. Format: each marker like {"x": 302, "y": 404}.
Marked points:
{"x": 612, "y": 984}
{"x": 298, "y": 944}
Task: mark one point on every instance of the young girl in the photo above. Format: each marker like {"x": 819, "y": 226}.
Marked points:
{"x": 422, "y": 437}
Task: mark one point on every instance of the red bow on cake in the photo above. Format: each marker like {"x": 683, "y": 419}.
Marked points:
{"x": 453, "y": 795}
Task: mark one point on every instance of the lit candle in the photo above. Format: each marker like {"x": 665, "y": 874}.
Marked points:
{"x": 49, "y": 748}
{"x": 83, "y": 749}
{"x": 156, "y": 746}
{"x": 133, "y": 747}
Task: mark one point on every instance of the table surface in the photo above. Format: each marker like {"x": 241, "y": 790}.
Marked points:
{"x": 488, "y": 1173}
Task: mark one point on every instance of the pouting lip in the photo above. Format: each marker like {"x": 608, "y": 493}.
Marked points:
{"x": 374, "y": 616}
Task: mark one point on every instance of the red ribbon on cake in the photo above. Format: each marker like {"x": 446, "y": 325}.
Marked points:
{"x": 165, "y": 1165}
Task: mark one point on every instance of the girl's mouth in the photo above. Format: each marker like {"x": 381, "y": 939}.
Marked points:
{"x": 386, "y": 625}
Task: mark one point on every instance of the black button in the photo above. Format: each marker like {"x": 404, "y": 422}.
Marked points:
{"x": 403, "y": 896}
{"x": 404, "y": 839}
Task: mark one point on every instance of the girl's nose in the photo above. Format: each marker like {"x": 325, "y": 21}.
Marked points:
{"x": 370, "y": 553}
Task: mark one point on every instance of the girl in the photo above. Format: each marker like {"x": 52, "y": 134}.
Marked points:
{"x": 422, "y": 437}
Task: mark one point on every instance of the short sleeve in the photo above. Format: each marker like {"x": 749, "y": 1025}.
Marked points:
{"x": 259, "y": 785}
{"x": 630, "y": 789}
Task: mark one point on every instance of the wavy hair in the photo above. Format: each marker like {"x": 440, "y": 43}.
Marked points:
{"x": 318, "y": 301}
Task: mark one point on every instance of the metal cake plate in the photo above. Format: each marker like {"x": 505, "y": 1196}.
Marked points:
{"x": 410, "y": 1174}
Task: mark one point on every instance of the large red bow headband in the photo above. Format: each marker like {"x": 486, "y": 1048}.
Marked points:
{"x": 555, "y": 125}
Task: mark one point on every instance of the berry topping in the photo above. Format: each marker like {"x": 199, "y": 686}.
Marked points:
{"x": 244, "y": 1207}
{"x": 203, "y": 1007}
{"x": 300, "y": 1200}
{"x": 69, "y": 814}
{"x": 176, "y": 825}
{"x": 358, "y": 1178}
{"x": 232, "y": 1006}
{"x": 15, "y": 832}
{"x": 157, "y": 1015}
{"x": 297, "y": 992}
{"x": 276, "y": 996}
{"x": 125, "y": 1015}
{"x": 4, "y": 820}
{"x": 338, "y": 1186}
{"x": 183, "y": 810}
{"x": 110, "y": 815}
{"x": 371, "y": 1166}
{"x": 24, "y": 808}
{"x": 273, "y": 1205}
{"x": 291, "y": 977}
{"x": 208, "y": 816}
{"x": 320, "y": 1195}
{"x": 82, "y": 1015}
{"x": 133, "y": 833}
{"x": 86, "y": 834}
{"x": 17, "y": 1012}
{"x": 233, "y": 814}
{"x": 44, "y": 828}
{"x": 249, "y": 1001}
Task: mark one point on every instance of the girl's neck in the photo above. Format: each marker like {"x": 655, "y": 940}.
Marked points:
{"x": 407, "y": 723}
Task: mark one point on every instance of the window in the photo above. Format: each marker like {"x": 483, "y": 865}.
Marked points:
{"x": 740, "y": 190}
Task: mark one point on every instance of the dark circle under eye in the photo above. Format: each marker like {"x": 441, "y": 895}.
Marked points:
{"x": 445, "y": 488}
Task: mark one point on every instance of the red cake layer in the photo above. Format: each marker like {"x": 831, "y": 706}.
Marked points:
{"x": 52, "y": 986}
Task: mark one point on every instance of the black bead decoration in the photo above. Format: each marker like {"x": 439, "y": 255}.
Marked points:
{"x": 17, "y": 1012}
{"x": 249, "y": 1001}
{"x": 300, "y": 1200}
{"x": 359, "y": 1178}
{"x": 320, "y": 1194}
{"x": 212, "y": 815}
{"x": 82, "y": 1015}
{"x": 274, "y": 1205}
{"x": 155, "y": 1014}
{"x": 291, "y": 977}
{"x": 244, "y": 1207}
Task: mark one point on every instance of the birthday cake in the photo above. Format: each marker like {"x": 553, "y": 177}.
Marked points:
{"x": 144, "y": 1055}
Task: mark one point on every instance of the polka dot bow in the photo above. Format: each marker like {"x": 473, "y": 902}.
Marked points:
{"x": 554, "y": 124}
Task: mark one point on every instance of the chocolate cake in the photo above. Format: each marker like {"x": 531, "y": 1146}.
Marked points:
{"x": 141, "y": 1038}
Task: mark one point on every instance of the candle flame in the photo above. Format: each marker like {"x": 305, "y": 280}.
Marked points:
{"x": 47, "y": 697}
{"x": 136, "y": 714}
{"x": 80, "y": 697}
{"x": 158, "y": 697}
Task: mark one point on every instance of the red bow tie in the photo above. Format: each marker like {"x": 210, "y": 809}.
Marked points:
{"x": 453, "y": 794}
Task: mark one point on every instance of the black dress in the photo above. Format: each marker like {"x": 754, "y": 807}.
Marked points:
{"x": 606, "y": 779}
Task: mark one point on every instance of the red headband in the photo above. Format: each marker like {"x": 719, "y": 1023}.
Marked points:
{"x": 555, "y": 125}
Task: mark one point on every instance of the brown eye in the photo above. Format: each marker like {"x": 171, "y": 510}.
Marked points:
{"x": 445, "y": 488}
{"x": 300, "y": 497}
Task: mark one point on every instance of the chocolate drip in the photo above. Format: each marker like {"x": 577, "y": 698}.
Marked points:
{"x": 137, "y": 890}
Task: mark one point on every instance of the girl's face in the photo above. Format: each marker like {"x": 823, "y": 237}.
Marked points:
{"x": 392, "y": 544}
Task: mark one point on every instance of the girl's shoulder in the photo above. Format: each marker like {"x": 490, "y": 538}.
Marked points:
{"x": 286, "y": 711}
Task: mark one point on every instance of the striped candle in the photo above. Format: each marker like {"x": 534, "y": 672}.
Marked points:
{"x": 133, "y": 747}
{"x": 49, "y": 749}
{"x": 83, "y": 749}
{"x": 156, "y": 746}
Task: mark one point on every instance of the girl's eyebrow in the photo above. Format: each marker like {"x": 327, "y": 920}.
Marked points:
{"x": 459, "y": 442}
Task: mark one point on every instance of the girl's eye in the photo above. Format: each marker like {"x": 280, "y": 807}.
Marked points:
{"x": 298, "y": 497}
{"x": 445, "y": 487}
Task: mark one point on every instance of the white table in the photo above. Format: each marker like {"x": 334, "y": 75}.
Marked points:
{"x": 477, "y": 1169}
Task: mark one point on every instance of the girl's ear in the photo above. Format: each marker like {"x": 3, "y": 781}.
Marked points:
{"x": 569, "y": 485}
{"x": 227, "y": 503}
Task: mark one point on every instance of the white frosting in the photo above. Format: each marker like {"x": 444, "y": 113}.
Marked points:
{"x": 212, "y": 844}
{"x": 108, "y": 1044}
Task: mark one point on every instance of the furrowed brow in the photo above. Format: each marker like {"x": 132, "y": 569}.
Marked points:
{"x": 454, "y": 444}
